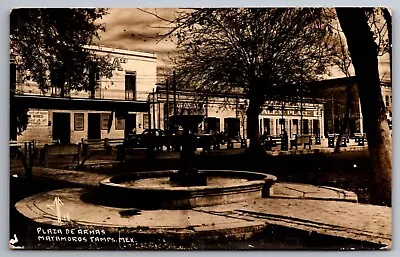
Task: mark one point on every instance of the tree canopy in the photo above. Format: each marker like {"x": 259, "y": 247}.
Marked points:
{"x": 46, "y": 39}
{"x": 259, "y": 52}
{"x": 251, "y": 50}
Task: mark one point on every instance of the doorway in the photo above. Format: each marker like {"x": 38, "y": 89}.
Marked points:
{"x": 211, "y": 125}
{"x": 94, "y": 131}
{"x": 62, "y": 127}
{"x": 267, "y": 126}
{"x": 231, "y": 127}
{"x": 305, "y": 127}
{"x": 316, "y": 127}
{"x": 130, "y": 125}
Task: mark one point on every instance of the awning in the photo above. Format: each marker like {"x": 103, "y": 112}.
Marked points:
{"x": 64, "y": 103}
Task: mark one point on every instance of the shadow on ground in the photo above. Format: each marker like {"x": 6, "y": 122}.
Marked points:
{"x": 350, "y": 171}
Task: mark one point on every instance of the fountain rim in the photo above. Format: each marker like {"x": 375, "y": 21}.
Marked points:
{"x": 265, "y": 178}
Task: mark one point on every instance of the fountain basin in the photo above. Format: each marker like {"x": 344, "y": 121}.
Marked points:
{"x": 223, "y": 186}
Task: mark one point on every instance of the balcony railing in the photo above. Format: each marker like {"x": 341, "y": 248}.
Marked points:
{"x": 99, "y": 93}
{"x": 130, "y": 95}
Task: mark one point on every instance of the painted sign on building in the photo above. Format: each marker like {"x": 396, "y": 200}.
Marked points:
{"x": 187, "y": 108}
{"x": 38, "y": 118}
{"x": 306, "y": 113}
{"x": 116, "y": 61}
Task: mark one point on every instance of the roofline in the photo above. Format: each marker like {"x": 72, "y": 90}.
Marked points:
{"x": 106, "y": 49}
{"x": 161, "y": 89}
{"x": 328, "y": 82}
{"x": 72, "y": 103}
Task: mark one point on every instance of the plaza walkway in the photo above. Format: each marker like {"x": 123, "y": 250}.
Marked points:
{"x": 323, "y": 210}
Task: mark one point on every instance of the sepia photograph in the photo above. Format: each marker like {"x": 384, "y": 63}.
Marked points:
{"x": 234, "y": 128}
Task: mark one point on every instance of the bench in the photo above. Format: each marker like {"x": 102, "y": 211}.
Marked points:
{"x": 243, "y": 143}
{"x": 216, "y": 139}
{"x": 271, "y": 141}
{"x": 106, "y": 143}
{"x": 331, "y": 140}
{"x": 345, "y": 140}
{"x": 359, "y": 138}
{"x": 317, "y": 139}
{"x": 304, "y": 140}
{"x": 204, "y": 142}
{"x": 16, "y": 152}
{"x": 58, "y": 150}
{"x": 15, "y": 148}
{"x": 231, "y": 140}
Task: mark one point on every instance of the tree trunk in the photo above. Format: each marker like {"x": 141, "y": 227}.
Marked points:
{"x": 388, "y": 17}
{"x": 255, "y": 149}
{"x": 364, "y": 54}
{"x": 253, "y": 131}
{"x": 345, "y": 123}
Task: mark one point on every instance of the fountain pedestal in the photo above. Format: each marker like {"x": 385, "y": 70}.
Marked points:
{"x": 187, "y": 175}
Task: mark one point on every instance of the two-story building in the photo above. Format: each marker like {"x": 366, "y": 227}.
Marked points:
{"x": 70, "y": 116}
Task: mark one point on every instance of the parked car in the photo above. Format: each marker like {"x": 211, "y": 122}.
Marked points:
{"x": 153, "y": 132}
{"x": 141, "y": 140}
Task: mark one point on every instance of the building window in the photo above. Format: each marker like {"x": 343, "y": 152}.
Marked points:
{"x": 57, "y": 77}
{"x": 79, "y": 122}
{"x": 211, "y": 124}
{"x": 130, "y": 85}
{"x": 145, "y": 121}
{"x": 315, "y": 127}
{"x": 119, "y": 123}
{"x": 105, "y": 117}
{"x": 267, "y": 126}
{"x": 387, "y": 100}
{"x": 305, "y": 127}
{"x": 231, "y": 127}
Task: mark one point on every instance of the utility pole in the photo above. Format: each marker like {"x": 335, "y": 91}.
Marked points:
{"x": 166, "y": 126}
{"x": 154, "y": 110}
{"x": 301, "y": 115}
{"x": 333, "y": 117}
{"x": 148, "y": 113}
{"x": 174, "y": 88}
{"x": 283, "y": 125}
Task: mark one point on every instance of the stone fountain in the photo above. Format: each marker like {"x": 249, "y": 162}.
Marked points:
{"x": 188, "y": 175}
{"x": 138, "y": 205}
{"x": 186, "y": 187}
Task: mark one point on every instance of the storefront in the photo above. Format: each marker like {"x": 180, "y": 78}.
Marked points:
{"x": 295, "y": 118}
{"x": 228, "y": 114}
{"x": 69, "y": 120}
{"x": 221, "y": 114}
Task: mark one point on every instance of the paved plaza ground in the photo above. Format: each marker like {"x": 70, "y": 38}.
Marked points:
{"x": 311, "y": 207}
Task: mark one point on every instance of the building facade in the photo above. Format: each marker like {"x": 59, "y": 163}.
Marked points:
{"x": 71, "y": 116}
{"x": 333, "y": 93}
{"x": 131, "y": 101}
{"x": 227, "y": 113}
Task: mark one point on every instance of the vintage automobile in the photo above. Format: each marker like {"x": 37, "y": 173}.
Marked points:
{"x": 141, "y": 140}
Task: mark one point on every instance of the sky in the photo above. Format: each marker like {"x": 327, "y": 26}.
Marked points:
{"x": 135, "y": 29}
